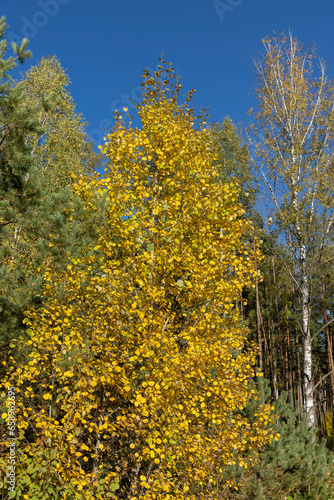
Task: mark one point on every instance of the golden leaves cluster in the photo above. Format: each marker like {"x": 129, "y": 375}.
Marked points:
{"x": 139, "y": 355}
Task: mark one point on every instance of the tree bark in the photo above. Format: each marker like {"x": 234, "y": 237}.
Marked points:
{"x": 259, "y": 321}
{"x": 330, "y": 361}
{"x": 299, "y": 372}
{"x": 307, "y": 345}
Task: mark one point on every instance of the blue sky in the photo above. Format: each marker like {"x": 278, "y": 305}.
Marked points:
{"x": 104, "y": 45}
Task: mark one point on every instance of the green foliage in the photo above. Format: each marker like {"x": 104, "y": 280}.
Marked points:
{"x": 43, "y": 144}
{"x": 19, "y": 197}
{"x": 233, "y": 160}
{"x": 64, "y": 147}
{"x": 297, "y": 465}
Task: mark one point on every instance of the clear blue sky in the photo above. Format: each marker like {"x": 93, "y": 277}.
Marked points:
{"x": 105, "y": 44}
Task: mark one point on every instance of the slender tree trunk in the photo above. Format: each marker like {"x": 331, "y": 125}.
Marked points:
{"x": 294, "y": 383}
{"x": 281, "y": 339}
{"x": 287, "y": 358}
{"x": 242, "y": 308}
{"x": 270, "y": 355}
{"x": 275, "y": 373}
{"x": 330, "y": 361}
{"x": 331, "y": 343}
{"x": 307, "y": 345}
{"x": 15, "y": 240}
{"x": 299, "y": 372}
{"x": 266, "y": 364}
{"x": 273, "y": 352}
{"x": 259, "y": 321}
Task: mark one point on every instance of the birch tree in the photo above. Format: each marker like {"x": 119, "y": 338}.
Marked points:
{"x": 140, "y": 357}
{"x": 293, "y": 133}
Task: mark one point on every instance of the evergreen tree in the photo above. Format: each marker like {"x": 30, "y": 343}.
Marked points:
{"x": 295, "y": 466}
{"x": 44, "y": 149}
{"x": 233, "y": 159}
{"x": 19, "y": 196}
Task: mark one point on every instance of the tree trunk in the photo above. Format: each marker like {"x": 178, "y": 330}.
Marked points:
{"x": 330, "y": 361}
{"x": 307, "y": 349}
{"x": 299, "y": 372}
{"x": 259, "y": 320}
{"x": 287, "y": 358}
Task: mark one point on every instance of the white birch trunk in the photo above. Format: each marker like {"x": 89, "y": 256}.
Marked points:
{"x": 307, "y": 346}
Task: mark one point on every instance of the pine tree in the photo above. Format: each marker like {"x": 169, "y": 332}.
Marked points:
{"x": 44, "y": 145}
{"x": 296, "y": 465}
{"x": 19, "y": 197}
{"x": 233, "y": 159}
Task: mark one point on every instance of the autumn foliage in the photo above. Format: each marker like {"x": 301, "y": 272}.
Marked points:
{"x": 139, "y": 367}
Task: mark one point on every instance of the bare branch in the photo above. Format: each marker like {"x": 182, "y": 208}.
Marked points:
{"x": 322, "y": 378}
{"x": 322, "y": 328}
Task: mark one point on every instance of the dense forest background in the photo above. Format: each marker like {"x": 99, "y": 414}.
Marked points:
{"x": 165, "y": 339}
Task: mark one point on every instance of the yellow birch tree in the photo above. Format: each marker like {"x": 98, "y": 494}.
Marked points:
{"x": 139, "y": 367}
